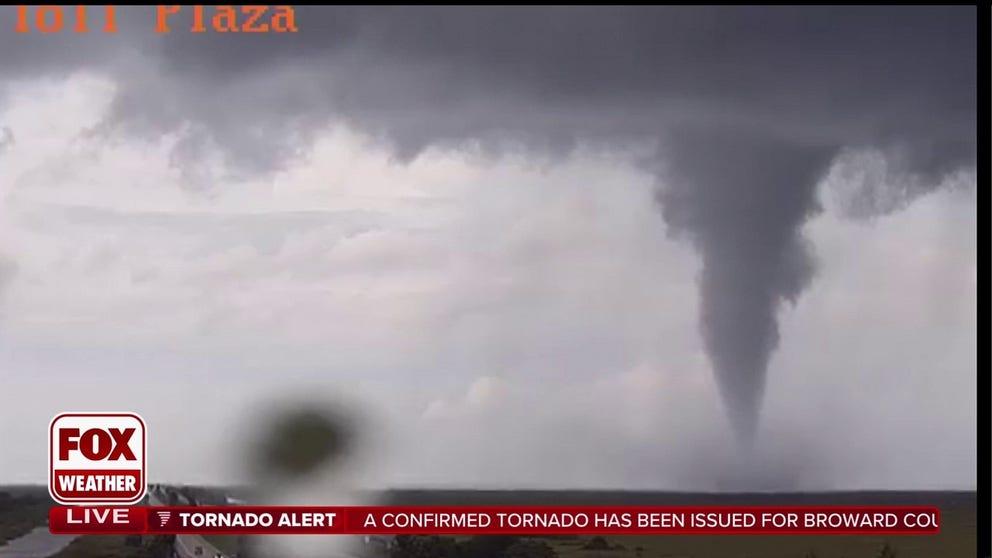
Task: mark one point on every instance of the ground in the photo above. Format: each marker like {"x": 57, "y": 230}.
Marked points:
{"x": 22, "y": 508}
{"x": 117, "y": 546}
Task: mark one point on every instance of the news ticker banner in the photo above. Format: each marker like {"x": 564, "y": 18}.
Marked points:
{"x": 487, "y": 520}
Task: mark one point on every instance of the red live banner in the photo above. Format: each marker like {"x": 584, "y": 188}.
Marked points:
{"x": 489, "y": 520}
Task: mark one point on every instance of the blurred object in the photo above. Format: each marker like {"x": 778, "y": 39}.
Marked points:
{"x": 306, "y": 452}
{"x": 300, "y": 441}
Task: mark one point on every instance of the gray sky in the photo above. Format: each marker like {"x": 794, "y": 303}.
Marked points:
{"x": 554, "y": 247}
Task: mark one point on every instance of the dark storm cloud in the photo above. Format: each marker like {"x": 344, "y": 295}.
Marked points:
{"x": 748, "y": 106}
{"x": 28, "y": 54}
{"x": 891, "y": 77}
{"x": 423, "y": 74}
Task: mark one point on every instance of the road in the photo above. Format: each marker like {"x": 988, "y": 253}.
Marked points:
{"x": 38, "y": 543}
{"x": 186, "y": 545}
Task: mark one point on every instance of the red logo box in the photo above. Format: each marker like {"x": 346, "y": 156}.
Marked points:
{"x": 97, "y": 458}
